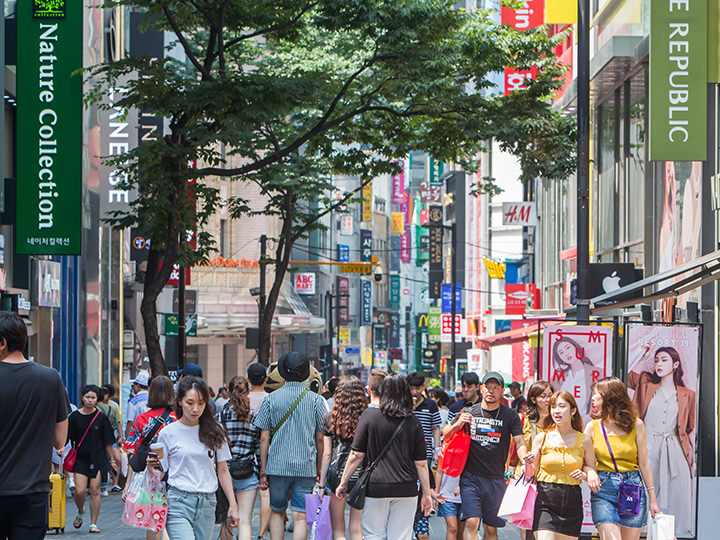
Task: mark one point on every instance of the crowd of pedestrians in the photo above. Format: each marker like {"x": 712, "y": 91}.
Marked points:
{"x": 374, "y": 449}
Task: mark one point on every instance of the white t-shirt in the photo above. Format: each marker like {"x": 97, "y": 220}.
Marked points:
{"x": 256, "y": 398}
{"x": 447, "y": 488}
{"x": 189, "y": 463}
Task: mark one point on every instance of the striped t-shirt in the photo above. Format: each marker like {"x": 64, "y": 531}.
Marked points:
{"x": 429, "y": 416}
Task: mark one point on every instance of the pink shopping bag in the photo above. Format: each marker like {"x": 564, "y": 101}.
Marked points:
{"x": 518, "y": 504}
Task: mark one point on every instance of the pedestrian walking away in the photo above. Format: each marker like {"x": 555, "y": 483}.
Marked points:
{"x": 392, "y": 439}
{"x": 482, "y": 483}
{"x": 195, "y": 453}
{"x": 34, "y": 409}
{"x": 237, "y": 418}
{"x": 138, "y": 402}
{"x": 564, "y": 457}
{"x": 339, "y": 427}
{"x": 620, "y": 444}
{"x": 91, "y": 435}
{"x": 256, "y": 376}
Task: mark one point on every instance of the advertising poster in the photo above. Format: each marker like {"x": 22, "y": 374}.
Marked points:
{"x": 573, "y": 357}
{"x": 662, "y": 381}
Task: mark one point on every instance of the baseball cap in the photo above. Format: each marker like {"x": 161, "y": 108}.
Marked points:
{"x": 142, "y": 378}
{"x": 256, "y": 370}
{"x": 493, "y": 375}
{"x": 192, "y": 370}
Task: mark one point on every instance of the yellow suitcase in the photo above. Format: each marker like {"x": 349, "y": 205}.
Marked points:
{"x": 56, "y": 518}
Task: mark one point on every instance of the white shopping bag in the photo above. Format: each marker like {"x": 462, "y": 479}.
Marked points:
{"x": 662, "y": 527}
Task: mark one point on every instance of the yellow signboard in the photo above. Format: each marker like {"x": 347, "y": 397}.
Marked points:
{"x": 495, "y": 269}
{"x": 355, "y": 268}
{"x": 367, "y": 357}
{"x": 397, "y": 225}
{"x": 367, "y": 201}
{"x": 561, "y": 12}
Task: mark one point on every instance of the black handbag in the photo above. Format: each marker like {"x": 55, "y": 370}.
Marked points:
{"x": 337, "y": 466}
{"x": 139, "y": 458}
{"x": 241, "y": 468}
{"x": 356, "y": 497}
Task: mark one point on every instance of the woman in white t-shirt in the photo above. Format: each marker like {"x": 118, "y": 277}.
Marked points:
{"x": 193, "y": 448}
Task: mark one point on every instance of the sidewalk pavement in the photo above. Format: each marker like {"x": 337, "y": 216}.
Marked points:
{"x": 113, "y": 528}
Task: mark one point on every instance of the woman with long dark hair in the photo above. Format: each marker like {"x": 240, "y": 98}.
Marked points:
{"x": 571, "y": 365}
{"x": 564, "y": 457}
{"x": 620, "y": 445}
{"x": 667, "y": 407}
{"x": 237, "y": 418}
{"x": 192, "y": 448}
{"x": 391, "y": 497}
{"x": 91, "y": 435}
{"x": 339, "y": 425}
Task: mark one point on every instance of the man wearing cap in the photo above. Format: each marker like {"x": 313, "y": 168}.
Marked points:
{"x": 482, "y": 483}
{"x": 193, "y": 370}
{"x": 138, "y": 403}
{"x": 290, "y": 462}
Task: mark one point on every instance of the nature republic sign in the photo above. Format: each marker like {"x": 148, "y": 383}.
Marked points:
{"x": 678, "y": 77}
{"x": 49, "y": 127}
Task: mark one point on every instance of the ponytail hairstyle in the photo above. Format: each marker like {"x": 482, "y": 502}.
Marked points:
{"x": 238, "y": 388}
{"x": 212, "y": 433}
{"x": 616, "y": 405}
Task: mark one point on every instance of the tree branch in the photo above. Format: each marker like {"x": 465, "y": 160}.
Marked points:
{"x": 186, "y": 46}
{"x": 269, "y": 29}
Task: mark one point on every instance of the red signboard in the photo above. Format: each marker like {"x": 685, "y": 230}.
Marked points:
{"x": 530, "y": 15}
{"x": 515, "y": 79}
{"x": 517, "y": 296}
{"x": 343, "y": 300}
{"x": 523, "y": 355}
{"x": 174, "y": 279}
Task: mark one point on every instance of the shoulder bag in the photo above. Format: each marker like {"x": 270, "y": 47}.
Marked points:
{"x": 274, "y": 430}
{"x": 69, "y": 462}
{"x": 138, "y": 459}
{"x": 240, "y": 468}
{"x": 356, "y": 497}
{"x": 629, "y": 495}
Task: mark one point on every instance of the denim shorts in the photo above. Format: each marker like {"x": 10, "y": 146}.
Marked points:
{"x": 604, "y": 503}
{"x": 246, "y": 484}
{"x": 296, "y": 486}
{"x": 481, "y": 498}
{"x": 449, "y": 509}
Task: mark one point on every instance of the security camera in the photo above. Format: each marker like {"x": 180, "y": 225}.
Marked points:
{"x": 378, "y": 273}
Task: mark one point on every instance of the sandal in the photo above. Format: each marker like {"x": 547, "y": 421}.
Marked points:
{"x": 94, "y": 528}
{"x": 77, "y": 523}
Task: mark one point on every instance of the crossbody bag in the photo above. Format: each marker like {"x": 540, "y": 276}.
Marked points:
{"x": 629, "y": 495}
{"x": 274, "y": 430}
{"x": 139, "y": 458}
{"x": 69, "y": 461}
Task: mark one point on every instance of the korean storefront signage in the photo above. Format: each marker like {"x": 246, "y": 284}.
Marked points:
{"x": 343, "y": 253}
{"x": 397, "y": 223}
{"x": 366, "y": 245}
{"x": 405, "y": 246}
{"x": 446, "y": 301}
{"x": 398, "y": 188}
{"x": 395, "y": 291}
{"x": 436, "y": 250}
{"x": 523, "y": 357}
{"x": 346, "y": 225}
{"x": 394, "y": 340}
{"x": 528, "y": 15}
{"x": 367, "y": 201}
{"x": 366, "y": 302}
{"x": 678, "y": 76}
{"x": 434, "y": 323}
{"x": 343, "y": 287}
{"x": 516, "y": 79}
{"x": 49, "y": 128}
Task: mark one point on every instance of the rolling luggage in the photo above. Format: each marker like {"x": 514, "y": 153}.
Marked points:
{"x": 56, "y": 506}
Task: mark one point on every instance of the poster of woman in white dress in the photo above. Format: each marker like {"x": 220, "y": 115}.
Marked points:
{"x": 662, "y": 381}
{"x": 574, "y": 357}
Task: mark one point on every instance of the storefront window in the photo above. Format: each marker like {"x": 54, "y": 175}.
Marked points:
{"x": 635, "y": 164}
{"x": 605, "y": 213}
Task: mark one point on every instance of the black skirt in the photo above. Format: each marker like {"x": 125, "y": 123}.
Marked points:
{"x": 558, "y": 508}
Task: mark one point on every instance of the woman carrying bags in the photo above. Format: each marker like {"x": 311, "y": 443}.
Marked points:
{"x": 620, "y": 444}
{"x": 564, "y": 458}
{"x": 393, "y": 441}
{"x": 191, "y": 450}
{"x": 91, "y": 435}
{"x": 339, "y": 425}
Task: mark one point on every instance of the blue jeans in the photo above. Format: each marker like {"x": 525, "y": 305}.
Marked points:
{"x": 191, "y": 516}
{"x": 296, "y": 487}
{"x": 604, "y": 503}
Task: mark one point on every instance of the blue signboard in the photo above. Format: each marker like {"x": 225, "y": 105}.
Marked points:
{"x": 343, "y": 253}
{"x": 366, "y": 303}
{"x": 446, "y": 294}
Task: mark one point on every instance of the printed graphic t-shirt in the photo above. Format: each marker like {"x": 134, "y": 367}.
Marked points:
{"x": 490, "y": 432}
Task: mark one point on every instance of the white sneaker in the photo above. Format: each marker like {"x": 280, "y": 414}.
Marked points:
{"x": 104, "y": 493}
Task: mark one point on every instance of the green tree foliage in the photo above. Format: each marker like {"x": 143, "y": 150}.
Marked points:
{"x": 284, "y": 93}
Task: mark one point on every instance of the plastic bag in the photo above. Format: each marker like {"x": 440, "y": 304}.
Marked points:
{"x": 454, "y": 453}
{"x": 146, "y": 504}
{"x": 317, "y": 514}
{"x": 518, "y": 504}
{"x": 661, "y": 527}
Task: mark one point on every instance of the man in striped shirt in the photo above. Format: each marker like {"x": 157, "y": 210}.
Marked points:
{"x": 291, "y": 461}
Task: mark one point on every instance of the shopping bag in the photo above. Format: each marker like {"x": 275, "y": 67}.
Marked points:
{"x": 518, "y": 503}
{"x": 661, "y": 527}
{"x": 454, "y": 453}
{"x": 146, "y": 503}
{"x": 317, "y": 514}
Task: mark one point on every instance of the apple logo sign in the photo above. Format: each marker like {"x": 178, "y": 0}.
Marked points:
{"x": 611, "y": 282}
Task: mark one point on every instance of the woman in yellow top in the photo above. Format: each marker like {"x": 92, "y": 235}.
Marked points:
{"x": 619, "y": 428}
{"x": 564, "y": 457}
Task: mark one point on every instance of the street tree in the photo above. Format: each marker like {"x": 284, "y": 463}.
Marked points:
{"x": 285, "y": 93}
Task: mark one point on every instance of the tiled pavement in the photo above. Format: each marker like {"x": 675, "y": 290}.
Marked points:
{"x": 114, "y": 529}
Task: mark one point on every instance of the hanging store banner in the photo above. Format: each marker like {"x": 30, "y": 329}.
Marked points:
{"x": 397, "y": 224}
{"x": 434, "y": 324}
{"x": 394, "y": 340}
{"x": 656, "y": 355}
{"x": 395, "y": 291}
{"x": 366, "y": 246}
{"x": 398, "y": 188}
{"x": 405, "y": 246}
{"x": 529, "y": 15}
{"x": 49, "y": 128}
{"x": 435, "y": 276}
{"x": 365, "y": 302}
{"x": 446, "y": 301}
{"x": 436, "y": 171}
{"x": 346, "y": 225}
{"x": 394, "y": 254}
{"x": 343, "y": 288}
{"x": 574, "y": 357}
{"x": 407, "y": 208}
{"x": 523, "y": 355}
{"x": 678, "y": 76}
{"x": 343, "y": 251}
{"x": 367, "y": 201}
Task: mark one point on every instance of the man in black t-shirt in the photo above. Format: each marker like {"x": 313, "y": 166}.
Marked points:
{"x": 470, "y": 395}
{"x": 34, "y": 410}
{"x": 482, "y": 483}
{"x": 518, "y": 403}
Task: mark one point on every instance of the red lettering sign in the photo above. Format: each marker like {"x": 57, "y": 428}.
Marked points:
{"x": 516, "y": 79}
{"x": 530, "y": 15}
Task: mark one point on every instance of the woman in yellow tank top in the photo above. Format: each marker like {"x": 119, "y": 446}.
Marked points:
{"x": 626, "y": 464}
{"x": 564, "y": 457}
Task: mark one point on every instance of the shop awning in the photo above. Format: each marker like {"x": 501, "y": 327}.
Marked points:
{"x": 687, "y": 277}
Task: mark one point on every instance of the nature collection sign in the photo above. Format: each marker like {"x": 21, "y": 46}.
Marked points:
{"x": 49, "y": 127}
{"x": 678, "y": 75}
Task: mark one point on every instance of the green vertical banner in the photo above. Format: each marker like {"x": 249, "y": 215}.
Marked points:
{"x": 434, "y": 323}
{"x": 678, "y": 80}
{"x": 49, "y": 127}
{"x": 395, "y": 292}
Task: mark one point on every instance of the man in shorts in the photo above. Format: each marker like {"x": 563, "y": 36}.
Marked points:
{"x": 482, "y": 483}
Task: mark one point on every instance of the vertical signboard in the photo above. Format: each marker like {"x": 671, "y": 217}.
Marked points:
{"x": 394, "y": 254}
{"x": 678, "y": 77}
{"x": 398, "y": 188}
{"x": 394, "y": 340}
{"x": 365, "y": 302}
{"x": 366, "y": 245}
{"x": 395, "y": 291}
{"x": 397, "y": 223}
{"x": 523, "y": 357}
{"x": 405, "y": 246}
{"x": 446, "y": 301}
{"x": 435, "y": 275}
{"x": 367, "y": 200}
{"x": 343, "y": 287}
{"x": 49, "y": 128}
{"x": 529, "y": 15}
{"x": 434, "y": 324}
